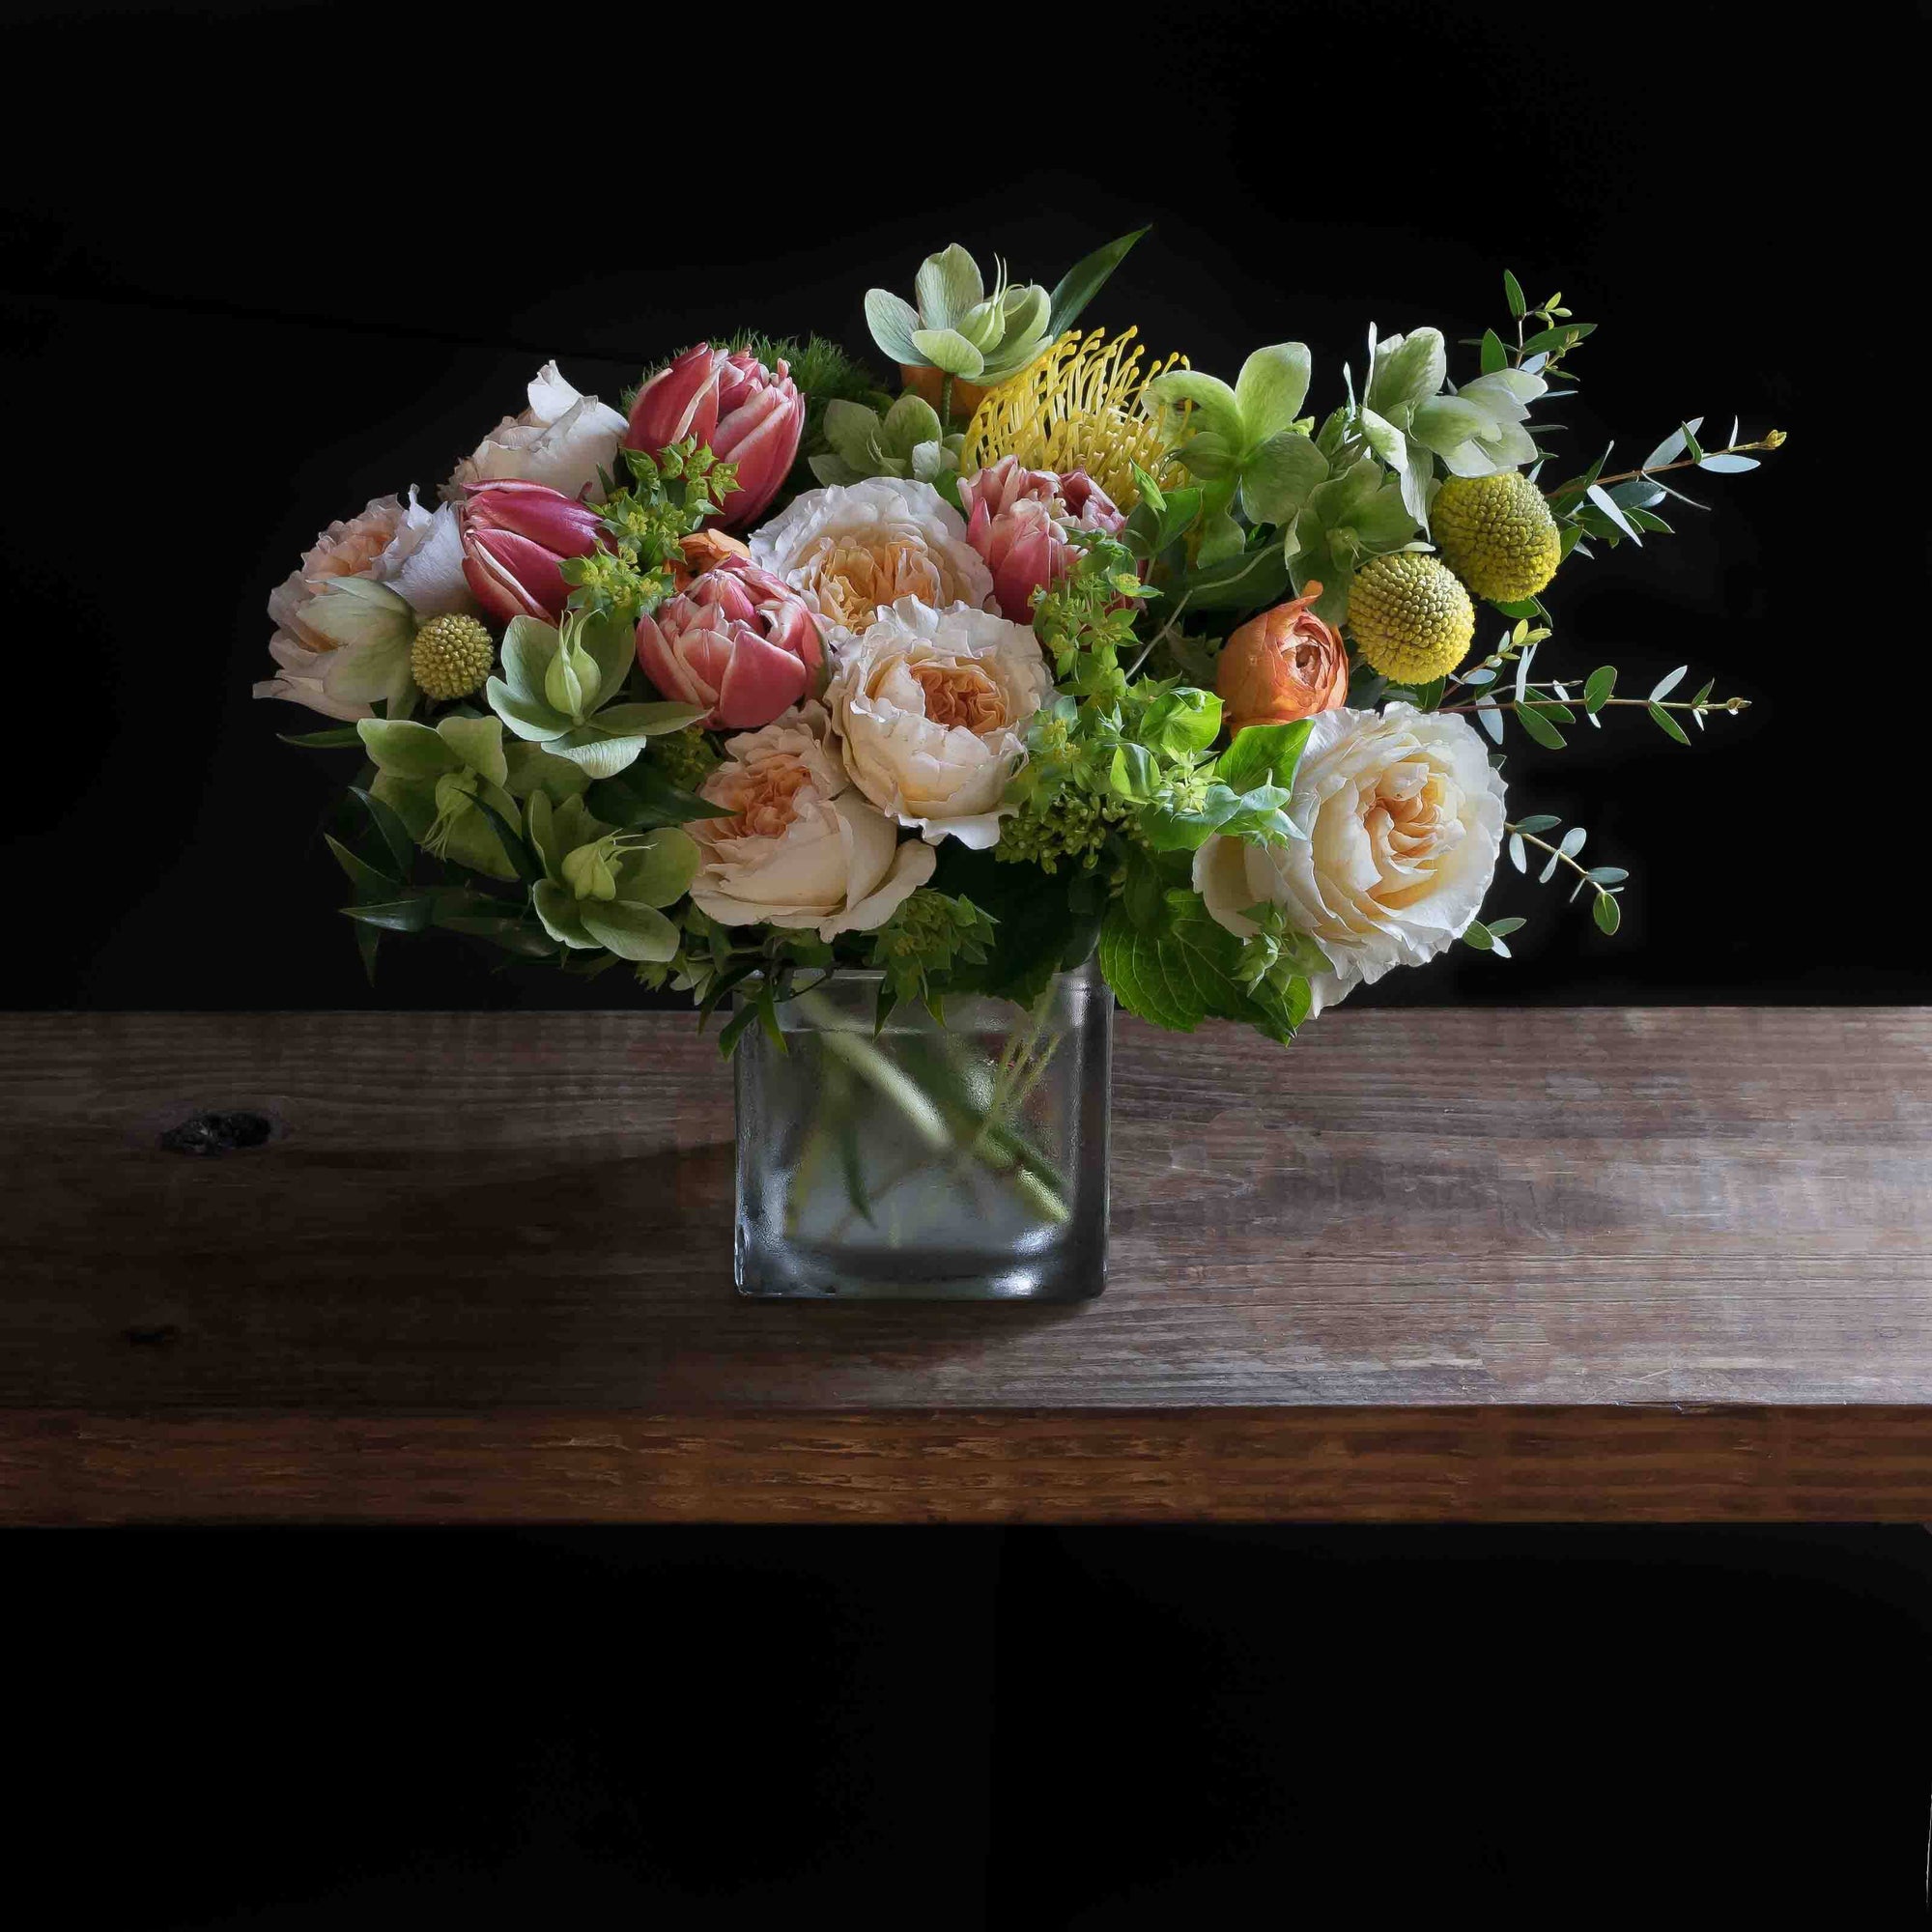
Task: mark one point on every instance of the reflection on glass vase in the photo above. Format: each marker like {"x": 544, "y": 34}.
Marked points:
{"x": 926, "y": 1162}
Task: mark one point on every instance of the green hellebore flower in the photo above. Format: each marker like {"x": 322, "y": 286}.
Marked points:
{"x": 961, "y": 330}
{"x": 433, "y": 779}
{"x": 905, "y": 441}
{"x": 558, "y": 687}
{"x": 1350, "y": 518}
{"x": 603, "y": 888}
{"x": 371, "y": 630}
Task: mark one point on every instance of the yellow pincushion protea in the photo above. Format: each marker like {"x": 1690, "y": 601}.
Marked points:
{"x": 1079, "y": 408}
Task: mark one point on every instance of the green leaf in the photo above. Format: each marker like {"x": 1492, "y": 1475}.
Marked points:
{"x": 657, "y": 872}
{"x": 394, "y": 834}
{"x": 478, "y": 742}
{"x": 371, "y": 885}
{"x": 1599, "y": 687}
{"x": 1082, "y": 283}
{"x": 410, "y": 914}
{"x": 1513, "y": 295}
{"x": 640, "y": 798}
{"x": 1667, "y": 724}
{"x": 1264, "y": 754}
{"x": 1607, "y": 913}
{"x": 1530, "y": 716}
{"x": 322, "y": 740}
{"x": 1493, "y": 355}
{"x": 526, "y": 864}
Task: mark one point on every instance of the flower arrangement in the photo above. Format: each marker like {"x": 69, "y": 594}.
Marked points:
{"x": 1048, "y": 646}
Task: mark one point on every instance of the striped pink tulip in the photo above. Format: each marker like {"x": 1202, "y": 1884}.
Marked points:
{"x": 737, "y": 640}
{"x": 743, "y": 411}
{"x": 515, "y": 536}
{"x": 1017, "y": 520}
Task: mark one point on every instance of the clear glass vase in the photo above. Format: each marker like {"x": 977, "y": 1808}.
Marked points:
{"x": 926, "y": 1162}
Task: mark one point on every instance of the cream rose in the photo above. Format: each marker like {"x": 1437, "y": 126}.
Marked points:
{"x": 930, "y": 708}
{"x": 801, "y": 847}
{"x": 856, "y": 548}
{"x": 412, "y": 552}
{"x": 1404, "y": 816}
{"x": 562, "y": 440}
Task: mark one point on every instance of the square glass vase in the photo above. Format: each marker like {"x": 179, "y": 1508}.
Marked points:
{"x": 923, "y": 1162}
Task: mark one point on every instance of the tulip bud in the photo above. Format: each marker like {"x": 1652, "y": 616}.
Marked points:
{"x": 1283, "y": 666}
{"x": 514, "y": 535}
{"x": 1017, "y": 520}
{"x": 679, "y": 400}
{"x": 744, "y": 413}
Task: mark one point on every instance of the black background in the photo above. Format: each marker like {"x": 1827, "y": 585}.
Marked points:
{"x": 265, "y": 262}
{"x": 272, "y": 260}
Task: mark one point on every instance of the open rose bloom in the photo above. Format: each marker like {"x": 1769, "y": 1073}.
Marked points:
{"x": 738, "y": 642}
{"x": 801, "y": 846}
{"x": 1017, "y": 520}
{"x": 854, "y": 550}
{"x": 932, "y": 709}
{"x": 1404, "y": 817}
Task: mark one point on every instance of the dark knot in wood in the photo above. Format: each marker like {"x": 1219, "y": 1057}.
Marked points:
{"x": 217, "y": 1133}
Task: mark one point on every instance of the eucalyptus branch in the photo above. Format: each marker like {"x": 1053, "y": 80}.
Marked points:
{"x": 1771, "y": 440}
{"x": 1730, "y": 704}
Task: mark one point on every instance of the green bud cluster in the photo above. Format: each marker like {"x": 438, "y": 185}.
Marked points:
{"x": 687, "y": 757}
{"x": 1070, "y": 828}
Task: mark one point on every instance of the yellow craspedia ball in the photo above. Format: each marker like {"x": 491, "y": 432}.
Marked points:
{"x": 1409, "y": 618}
{"x": 451, "y": 657}
{"x": 1496, "y": 534}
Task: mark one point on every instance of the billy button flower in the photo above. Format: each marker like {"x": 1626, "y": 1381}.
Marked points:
{"x": 451, "y": 657}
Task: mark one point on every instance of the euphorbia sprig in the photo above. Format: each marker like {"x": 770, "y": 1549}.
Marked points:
{"x": 668, "y": 497}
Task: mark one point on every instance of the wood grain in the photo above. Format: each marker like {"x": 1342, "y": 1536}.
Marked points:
{"x": 1020, "y": 1465}
{"x": 473, "y": 1219}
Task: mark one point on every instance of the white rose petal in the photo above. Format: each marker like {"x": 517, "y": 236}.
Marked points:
{"x": 856, "y": 548}
{"x": 944, "y": 778}
{"x": 830, "y": 861}
{"x": 1404, "y": 815}
{"x": 563, "y": 440}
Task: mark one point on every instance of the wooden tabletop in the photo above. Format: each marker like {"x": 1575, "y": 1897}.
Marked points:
{"x": 1422, "y": 1264}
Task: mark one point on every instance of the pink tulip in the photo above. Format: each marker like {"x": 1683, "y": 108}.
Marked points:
{"x": 743, "y": 411}
{"x": 737, "y": 640}
{"x": 514, "y": 535}
{"x": 1017, "y": 520}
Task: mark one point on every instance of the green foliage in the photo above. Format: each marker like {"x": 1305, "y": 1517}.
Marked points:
{"x": 668, "y": 497}
{"x": 1171, "y": 964}
{"x": 919, "y": 946}
{"x": 907, "y": 440}
{"x": 605, "y": 888}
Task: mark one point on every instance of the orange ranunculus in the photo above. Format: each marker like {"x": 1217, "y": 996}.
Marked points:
{"x": 702, "y": 550}
{"x": 1284, "y": 664}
